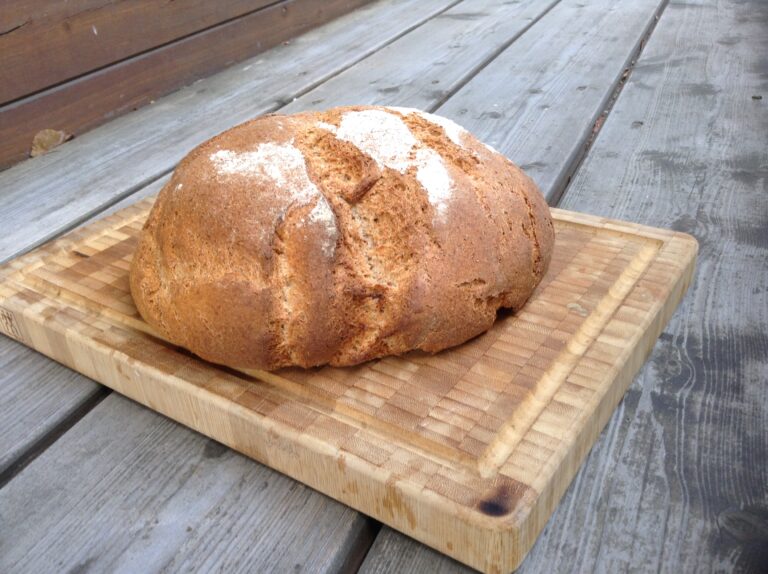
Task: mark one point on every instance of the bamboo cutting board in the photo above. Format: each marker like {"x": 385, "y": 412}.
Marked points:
{"x": 468, "y": 451}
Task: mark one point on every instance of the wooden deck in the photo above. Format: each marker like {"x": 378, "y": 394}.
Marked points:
{"x": 650, "y": 111}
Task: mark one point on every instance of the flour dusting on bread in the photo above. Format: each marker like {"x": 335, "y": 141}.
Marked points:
{"x": 453, "y": 130}
{"x": 284, "y": 166}
{"x": 323, "y": 214}
{"x": 434, "y": 177}
{"x": 381, "y": 135}
{"x": 326, "y": 126}
{"x": 387, "y": 139}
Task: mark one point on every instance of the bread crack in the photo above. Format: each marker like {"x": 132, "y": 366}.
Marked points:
{"x": 281, "y": 285}
{"x": 531, "y": 233}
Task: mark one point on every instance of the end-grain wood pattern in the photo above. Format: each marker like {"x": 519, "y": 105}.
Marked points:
{"x": 468, "y": 450}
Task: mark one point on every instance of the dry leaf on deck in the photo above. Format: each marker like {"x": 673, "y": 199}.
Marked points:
{"x": 45, "y": 140}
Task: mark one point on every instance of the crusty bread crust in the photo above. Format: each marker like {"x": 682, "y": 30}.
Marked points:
{"x": 337, "y": 237}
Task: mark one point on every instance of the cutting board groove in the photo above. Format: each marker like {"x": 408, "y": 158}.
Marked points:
{"x": 468, "y": 450}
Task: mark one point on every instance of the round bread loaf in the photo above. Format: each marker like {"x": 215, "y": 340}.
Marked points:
{"x": 337, "y": 237}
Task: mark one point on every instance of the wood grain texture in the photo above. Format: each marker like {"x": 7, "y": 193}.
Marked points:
{"x": 16, "y": 12}
{"x": 422, "y": 68}
{"x": 677, "y": 482}
{"x": 37, "y": 395}
{"x": 395, "y": 552}
{"x": 101, "y": 167}
{"x": 538, "y": 101}
{"x": 77, "y": 106}
{"x": 166, "y": 498}
{"x": 45, "y": 44}
{"x": 467, "y": 450}
{"x": 681, "y": 478}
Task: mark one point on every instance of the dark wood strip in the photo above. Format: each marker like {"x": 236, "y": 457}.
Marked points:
{"x": 56, "y": 41}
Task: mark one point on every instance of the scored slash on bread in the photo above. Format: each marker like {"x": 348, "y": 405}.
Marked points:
{"x": 337, "y": 237}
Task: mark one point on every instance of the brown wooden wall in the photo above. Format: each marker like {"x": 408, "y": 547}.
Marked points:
{"x": 70, "y": 66}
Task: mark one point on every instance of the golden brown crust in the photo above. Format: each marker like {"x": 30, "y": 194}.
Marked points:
{"x": 303, "y": 240}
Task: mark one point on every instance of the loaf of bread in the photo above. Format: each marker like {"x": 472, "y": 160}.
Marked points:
{"x": 337, "y": 237}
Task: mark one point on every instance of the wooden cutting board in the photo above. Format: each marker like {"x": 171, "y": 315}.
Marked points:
{"x": 468, "y": 451}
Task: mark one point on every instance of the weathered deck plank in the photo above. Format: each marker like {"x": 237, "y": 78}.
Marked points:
{"x": 40, "y": 396}
{"x": 538, "y": 101}
{"x": 678, "y": 481}
{"x": 88, "y": 174}
{"x": 423, "y": 68}
{"x": 37, "y": 395}
{"x": 166, "y": 497}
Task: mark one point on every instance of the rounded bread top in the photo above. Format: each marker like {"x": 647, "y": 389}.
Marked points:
{"x": 337, "y": 237}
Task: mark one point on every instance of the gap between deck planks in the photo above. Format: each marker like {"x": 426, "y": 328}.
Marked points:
{"x": 41, "y": 398}
{"x": 610, "y": 76}
{"x": 167, "y": 499}
{"x": 677, "y": 482}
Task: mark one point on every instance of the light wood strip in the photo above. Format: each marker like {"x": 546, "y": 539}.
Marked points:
{"x": 508, "y": 437}
{"x": 424, "y": 68}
